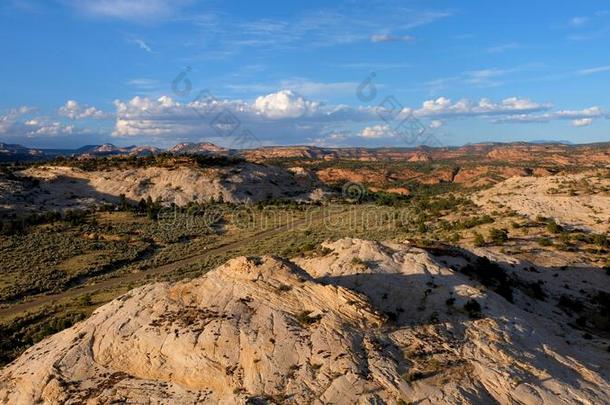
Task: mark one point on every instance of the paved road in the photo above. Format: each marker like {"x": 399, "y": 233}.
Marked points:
{"x": 125, "y": 279}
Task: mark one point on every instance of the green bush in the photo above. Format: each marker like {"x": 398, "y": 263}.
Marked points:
{"x": 85, "y": 300}
{"x": 359, "y": 263}
{"x": 600, "y": 240}
{"x": 554, "y": 227}
{"x": 545, "y": 242}
{"x": 478, "y": 239}
{"x": 498, "y": 236}
{"x": 473, "y": 308}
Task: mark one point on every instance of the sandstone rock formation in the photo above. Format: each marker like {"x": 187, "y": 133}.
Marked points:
{"x": 420, "y": 157}
{"x": 365, "y": 322}
{"x": 365, "y": 176}
{"x": 576, "y": 200}
{"x": 68, "y": 187}
{"x": 198, "y": 148}
{"x": 109, "y": 149}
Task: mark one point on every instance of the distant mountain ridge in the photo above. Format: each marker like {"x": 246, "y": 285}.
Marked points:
{"x": 14, "y": 149}
{"x": 15, "y": 152}
{"x": 197, "y": 148}
{"x": 109, "y": 149}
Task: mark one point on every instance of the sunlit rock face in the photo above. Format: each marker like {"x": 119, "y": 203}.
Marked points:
{"x": 362, "y": 322}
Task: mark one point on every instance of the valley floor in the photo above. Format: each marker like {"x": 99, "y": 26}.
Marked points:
{"x": 548, "y": 262}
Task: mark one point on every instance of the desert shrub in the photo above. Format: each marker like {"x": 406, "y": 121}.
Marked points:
{"x": 358, "y": 262}
{"x": 215, "y": 160}
{"x": 473, "y": 308}
{"x": 23, "y": 332}
{"x": 601, "y": 316}
{"x": 581, "y": 237}
{"x": 75, "y": 217}
{"x": 545, "y": 242}
{"x": 600, "y": 240}
{"x": 36, "y": 259}
{"x": 565, "y": 238}
{"x": 85, "y": 300}
{"x": 498, "y": 236}
{"x": 141, "y": 207}
{"x": 455, "y": 237}
{"x": 12, "y": 227}
{"x": 300, "y": 248}
{"x": 470, "y": 223}
{"x": 554, "y": 227}
{"x": 478, "y": 239}
{"x": 266, "y": 400}
{"x": 22, "y": 224}
{"x": 123, "y": 203}
{"x": 388, "y": 199}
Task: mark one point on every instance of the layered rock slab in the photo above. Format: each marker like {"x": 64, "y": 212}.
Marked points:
{"x": 324, "y": 329}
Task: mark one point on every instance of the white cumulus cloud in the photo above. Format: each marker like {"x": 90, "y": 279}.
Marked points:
{"x": 376, "y": 132}
{"x": 285, "y": 117}
{"x": 10, "y": 120}
{"x": 582, "y": 116}
{"x": 75, "y": 111}
{"x": 582, "y": 122}
{"x": 435, "y": 124}
{"x": 50, "y": 129}
{"x": 284, "y": 104}
{"x": 444, "y": 107}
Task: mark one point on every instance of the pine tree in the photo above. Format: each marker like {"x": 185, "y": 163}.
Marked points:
{"x": 142, "y": 205}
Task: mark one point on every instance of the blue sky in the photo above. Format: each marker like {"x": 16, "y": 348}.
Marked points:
{"x": 161, "y": 72}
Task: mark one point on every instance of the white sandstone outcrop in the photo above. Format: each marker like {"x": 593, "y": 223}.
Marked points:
{"x": 326, "y": 329}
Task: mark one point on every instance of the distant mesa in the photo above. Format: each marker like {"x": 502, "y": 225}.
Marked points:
{"x": 556, "y": 153}
{"x": 109, "y": 149}
{"x": 420, "y": 157}
{"x": 16, "y": 150}
{"x": 197, "y": 148}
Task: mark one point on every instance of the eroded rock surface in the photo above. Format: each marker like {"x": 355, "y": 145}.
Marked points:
{"x": 58, "y": 187}
{"x": 578, "y": 200}
{"x": 364, "y": 322}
